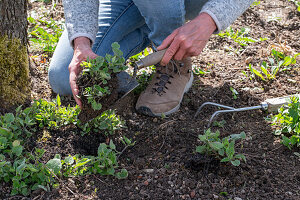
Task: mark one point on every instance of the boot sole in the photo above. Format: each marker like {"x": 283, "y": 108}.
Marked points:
{"x": 146, "y": 111}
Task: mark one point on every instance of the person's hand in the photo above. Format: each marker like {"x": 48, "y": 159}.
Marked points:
{"x": 82, "y": 51}
{"x": 189, "y": 39}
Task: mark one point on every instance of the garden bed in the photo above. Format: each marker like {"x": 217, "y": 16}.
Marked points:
{"x": 163, "y": 164}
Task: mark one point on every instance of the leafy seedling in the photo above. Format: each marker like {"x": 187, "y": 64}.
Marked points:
{"x": 287, "y": 123}
{"x": 222, "y": 149}
{"x": 98, "y": 83}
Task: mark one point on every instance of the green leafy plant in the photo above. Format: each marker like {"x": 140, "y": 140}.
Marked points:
{"x": 25, "y": 168}
{"x": 240, "y": 36}
{"x": 105, "y": 163}
{"x": 234, "y": 93}
{"x": 45, "y": 33}
{"x": 269, "y": 70}
{"x": 17, "y": 165}
{"x": 255, "y": 3}
{"x": 108, "y": 122}
{"x": 52, "y": 114}
{"x": 144, "y": 75}
{"x": 287, "y": 123}
{"x": 223, "y": 149}
{"x": 219, "y": 124}
{"x": 100, "y": 70}
{"x": 198, "y": 71}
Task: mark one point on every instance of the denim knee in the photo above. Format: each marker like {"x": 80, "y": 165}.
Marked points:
{"x": 59, "y": 81}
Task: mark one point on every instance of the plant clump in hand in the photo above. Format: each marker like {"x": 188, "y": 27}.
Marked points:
{"x": 98, "y": 80}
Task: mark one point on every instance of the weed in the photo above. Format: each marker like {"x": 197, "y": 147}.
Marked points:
{"x": 219, "y": 124}
{"x": 287, "y": 122}
{"x": 51, "y": 114}
{"x": 270, "y": 69}
{"x": 273, "y": 18}
{"x": 108, "y": 122}
{"x": 101, "y": 70}
{"x": 24, "y": 168}
{"x": 255, "y": 3}
{"x": 234, "y": 93}
{"x": 240, "y": 36}
{"x": 144, "y": 75}
{"x": 46, "y": 38}
{"x": 223, "y": 149}
{"x": 105, "y": 163}
{"x": 198, "y": 71}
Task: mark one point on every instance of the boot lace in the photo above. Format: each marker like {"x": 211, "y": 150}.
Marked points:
{"x": 165, "y": 75}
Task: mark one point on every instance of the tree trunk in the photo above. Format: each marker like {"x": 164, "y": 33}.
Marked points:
{"x": 14, "y": 65}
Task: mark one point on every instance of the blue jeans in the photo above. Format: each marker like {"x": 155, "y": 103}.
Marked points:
{"x": 131, "y": 23}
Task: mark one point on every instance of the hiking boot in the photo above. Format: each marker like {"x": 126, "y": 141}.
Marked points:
{"x": 166, "y": 89}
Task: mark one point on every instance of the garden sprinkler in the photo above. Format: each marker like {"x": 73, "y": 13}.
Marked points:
{"x": 128, "y": 83}
{"x": 269, "y": 105}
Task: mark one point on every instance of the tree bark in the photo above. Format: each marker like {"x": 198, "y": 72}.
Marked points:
{"x": 14, "y": 65}
{"x": 13, "y": 19}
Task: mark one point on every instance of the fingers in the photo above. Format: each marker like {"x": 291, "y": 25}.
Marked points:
{"x": 167, "y": 41}
{"x": 74, "y": 87}
{"x": 170, "y": 52}
{"x": 75, "y": 68}
{"x": 180, "y": 54}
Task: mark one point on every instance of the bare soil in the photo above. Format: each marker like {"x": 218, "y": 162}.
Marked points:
{"x": 163, "y": 164}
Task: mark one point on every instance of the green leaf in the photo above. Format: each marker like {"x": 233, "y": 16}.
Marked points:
{"x": 96, "y": 106}
{"x": 240, "y": 156}
{"x": 221, "y": 152}
{"x": 4, "y": 131}
{"x": 216, "y": 145}
{"x": 17, "y": 150}
{"x": 58, "y": 100}
{"x": 9, "y": 118}
{"x": 225, "y": 160}
{"x": 3, "y": 143}
{"x": 286, "y": 142}
{"x": 25, "y": 174}
{"x": 112, "y": 145}
{"x": 242, "y": 135}
{"x": 123, "y": 174}
{"x": 264, "y": 70}
{"x": 230, "y": 148}
{"x": 54, "y": 165}
{"x": 32, "y": 168}
{"x": 202, "y": 137}
{"x": 69, "y": 160}
{"x": 115, "y": 45}
{"x": 200, "y": 149}
{"x": 103, "y": 125}
{"x": 21, "y": 167}
{"x": 235, "y": 162}
{"x": 82, "y": 162}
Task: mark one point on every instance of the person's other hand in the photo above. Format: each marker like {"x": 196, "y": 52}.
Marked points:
{"x": 189, "y": 39}
{"x": 82, "y": 51}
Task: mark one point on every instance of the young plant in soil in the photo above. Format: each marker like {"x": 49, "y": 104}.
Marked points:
{"x": 24, "y": 167}
{"x": 98, "y": 83}
{"x": 287, "y": 122}
{"x": 222, "y": 149}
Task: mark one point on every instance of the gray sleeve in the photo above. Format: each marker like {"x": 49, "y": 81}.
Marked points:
{"x": 225, "y": 12}
{"x": 81, "y": 18}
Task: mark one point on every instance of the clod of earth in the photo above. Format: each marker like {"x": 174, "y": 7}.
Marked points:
{"x": 98, "y": 83}
{"x": 87, "y": 113}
